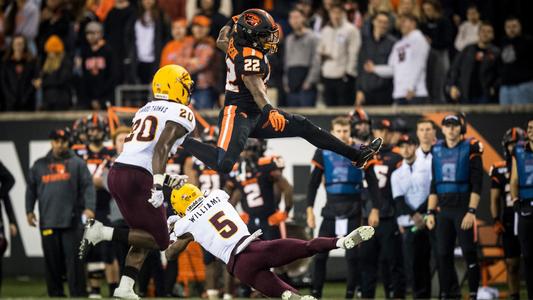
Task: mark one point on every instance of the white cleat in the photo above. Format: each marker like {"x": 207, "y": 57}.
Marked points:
{"x": 356, "y": 237}
{"x": 124, "y": 293}
{"x": 288, "y": 295}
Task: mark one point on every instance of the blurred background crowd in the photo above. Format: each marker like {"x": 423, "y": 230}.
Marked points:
{"x": 62, "y": 55}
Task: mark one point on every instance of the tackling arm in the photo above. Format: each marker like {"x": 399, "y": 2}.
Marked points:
{"x": 285, "y": 187}
{"x": 172, "y": 132}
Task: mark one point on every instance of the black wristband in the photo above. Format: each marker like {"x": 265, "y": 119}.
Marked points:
{"x": 472, "y": 210}
{"x": 267, "y": 108}
{"x": 431, "y": 212}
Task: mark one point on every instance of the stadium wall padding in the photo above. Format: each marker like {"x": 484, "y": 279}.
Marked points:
{"x": 22, "y": 142}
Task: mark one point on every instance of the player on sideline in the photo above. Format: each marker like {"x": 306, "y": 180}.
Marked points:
{"x": 247, "y": 40}
{"x": 138, "y": 174}
{"x": 215, "y": 224}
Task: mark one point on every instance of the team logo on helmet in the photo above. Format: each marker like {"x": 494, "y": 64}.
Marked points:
{"x": 252, "y": 19}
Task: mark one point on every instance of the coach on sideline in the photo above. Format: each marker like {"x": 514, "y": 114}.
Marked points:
{"x": 62, "y": 184}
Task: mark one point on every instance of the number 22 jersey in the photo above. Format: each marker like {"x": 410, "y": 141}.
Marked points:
{"x": 214, "y": 224}
{"x": 148, "y": 124}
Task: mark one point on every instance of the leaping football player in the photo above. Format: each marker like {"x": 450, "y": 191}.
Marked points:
{"x": 247, "y": 40}
{"x": 215, "y": 224}
{"x": 136, "y": 178}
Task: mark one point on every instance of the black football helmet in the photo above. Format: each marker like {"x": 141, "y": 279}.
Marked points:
{"x": 257, "y": 29}
{"x": 96, "y": 121}
{"x": 357, "y": 117}
{"x": 512, "y": 135}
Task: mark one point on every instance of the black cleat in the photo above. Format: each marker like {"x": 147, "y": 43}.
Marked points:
{"x": 85, "y": 245}
{"x": 367, "y": 152}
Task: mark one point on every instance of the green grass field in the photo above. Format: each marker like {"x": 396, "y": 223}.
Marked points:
{"x": 32, "y": 288}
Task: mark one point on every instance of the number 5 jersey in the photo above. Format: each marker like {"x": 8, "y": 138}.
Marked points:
{"x": 214, "y": 224}
{"x": 148, "y": 124}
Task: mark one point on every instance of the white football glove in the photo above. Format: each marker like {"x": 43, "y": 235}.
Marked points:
{"x": 157, "y": 197}
{"x": 170, "y": 222}
{"x": 175, "y": 181}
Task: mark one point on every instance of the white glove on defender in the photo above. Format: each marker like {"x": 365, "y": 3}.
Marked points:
{"x": 170, "y": 222}
{"x": 175, "y": 181}
{"x": 157, "y": 198}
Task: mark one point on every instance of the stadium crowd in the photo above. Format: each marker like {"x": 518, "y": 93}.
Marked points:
{"x": 61, "y": 55}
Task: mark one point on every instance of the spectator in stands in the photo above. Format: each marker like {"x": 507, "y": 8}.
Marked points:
{"x": 175, "y": 9}
{"x": 18, "y": 73}
{"x": 209, "y": 8}
{"x": 115, "y": 34}
{"x": 320, "y": 18}
{"x": 22, "y": 18}
{"x": 338, "y": 48}
{"x": 439, "y": 33}
{"x": 54, "y": 21}
{"x": 174, "y": 53}
{"x": 406, "y": 64}
{"x": 83, "y": 17}
{"x": 372, "y": 89}
{"x": 301, "y": 67}
{"x": 62, "y": 184}
{"x": 408, "y": 7}
{"x": 56, "y": 76}
{"x": 516, "y": 65}
{"x": 375, "y": 7}
{"x": 200, "y": 63}
{"x": 6, "y": 183}
{"x": 474, "y": 74}
{"x": 146, "y": 37}
{"x": 97, "y": 68}
{"x": 468, "y": 31}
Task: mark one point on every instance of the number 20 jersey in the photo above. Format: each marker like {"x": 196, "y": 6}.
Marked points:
{"x": 148, "y": 124}
{"x": 214, "y": 224}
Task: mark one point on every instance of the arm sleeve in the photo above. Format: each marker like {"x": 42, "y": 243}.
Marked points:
{"x": 87, "y": 192}
{"x": 31, "y": 191}
{"x": 316, "y": 177}
{"x": 419, "y": 62}
{"x": 373, "y": 187}
{"x": 314, "y": 183}
{"x": 433, "y": 187}
{"x": 7, "y": 180}
{"x": 353, "y": 51}
{"x": 314, "y": 70}
{"x": 476, "y": 167}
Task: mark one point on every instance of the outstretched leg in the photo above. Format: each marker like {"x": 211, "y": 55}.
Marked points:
{"x": 299, "y": 126}
{"x": 235, "y": 126}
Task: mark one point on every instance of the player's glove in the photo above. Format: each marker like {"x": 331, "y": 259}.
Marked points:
{"x": 245, "y": 217}
{"x": 175, "y": 181}
{"x": 171, "y": 221}
{"x": 275, "y": 118}
{"x": 157, "y": 197}
{"x": 277, "y": 217}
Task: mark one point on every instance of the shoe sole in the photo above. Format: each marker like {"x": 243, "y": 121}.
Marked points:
{"x": 375, "y": 149}
{"x": 125, "y": 297}
{"x": 363, "y": 233}
{"x": 84, "y": 244}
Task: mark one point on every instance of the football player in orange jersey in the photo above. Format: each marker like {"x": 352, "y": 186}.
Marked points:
{"x": 247, "y": 40}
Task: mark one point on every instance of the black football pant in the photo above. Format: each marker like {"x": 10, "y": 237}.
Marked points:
{"x": 418, "y": 251}
{"x": 327, "y": 229}
{"x": 269, "y": 232}
{"x": 384, "y": 249}
{"x": 448, "y": 229}
{"x": 237, "y": 125}
{"x": 60, "y": 248}
{"x": 525, "y": 230}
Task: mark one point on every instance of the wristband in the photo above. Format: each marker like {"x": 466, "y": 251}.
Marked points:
{"x": 472, "y": 210}
{"x": 431, "y": 212}
{"x": 159, "y": 179}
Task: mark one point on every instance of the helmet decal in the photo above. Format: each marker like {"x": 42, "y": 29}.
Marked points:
{"x": 252, "y": 19}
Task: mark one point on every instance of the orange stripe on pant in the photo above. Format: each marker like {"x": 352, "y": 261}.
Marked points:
{"x": 227, "y": 127}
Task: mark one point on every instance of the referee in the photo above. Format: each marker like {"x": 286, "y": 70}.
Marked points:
{"x": 410, "y": 188}
{"x": 522, "y": 197}
{"x": 457, "y": 176}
